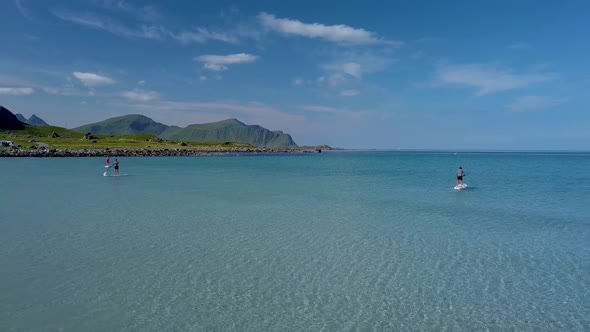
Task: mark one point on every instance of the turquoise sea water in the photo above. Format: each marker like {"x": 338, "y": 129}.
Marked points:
{"x": 371, "y": 241}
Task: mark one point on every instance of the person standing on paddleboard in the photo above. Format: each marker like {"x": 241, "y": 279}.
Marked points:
{"x": 460, "y": 175}
{"x": 116, "y": 164}
{"x": 108, "y": 162}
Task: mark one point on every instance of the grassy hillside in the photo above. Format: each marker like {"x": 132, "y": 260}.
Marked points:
{"x": 45, "y": 131}
{"x": 70, "y": 139}
{"x": 124, "y": 125}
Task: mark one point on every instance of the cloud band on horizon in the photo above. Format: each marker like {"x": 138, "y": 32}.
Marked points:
{"x": 340, "y": 34}
{"x": 92, "y": 79}
{"x": 488, "y": 79}
{"x": 221, "y": 62}
{"x": 12, "y": 91}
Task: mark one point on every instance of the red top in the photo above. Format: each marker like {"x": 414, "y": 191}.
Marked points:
{"x": 116, "y": 163}
{"x": 108, "y": 160}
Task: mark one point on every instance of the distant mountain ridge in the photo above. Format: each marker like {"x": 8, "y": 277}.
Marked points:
{"x": 124, "y": 125}
{"x": 9, "y": 121}
{"x": 230, "y": 130}
{"x": 33, "y": 120}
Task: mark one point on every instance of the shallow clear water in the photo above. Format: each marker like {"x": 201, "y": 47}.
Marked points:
{"x": 331, "y": 241}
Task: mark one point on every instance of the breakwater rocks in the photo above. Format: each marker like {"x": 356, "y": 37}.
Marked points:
{"x": 48, "y": 152}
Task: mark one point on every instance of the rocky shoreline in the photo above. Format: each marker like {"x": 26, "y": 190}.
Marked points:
{"x": 174, "y": 152}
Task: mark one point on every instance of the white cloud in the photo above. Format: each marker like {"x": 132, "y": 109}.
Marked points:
{"x": 369, "y": 61}
{"x": 202, "y": 35}
{"x": 16, "y": 91}
{"x": 352, "y": 69}
{"x": 101, "y": 23}
{"x": 145, "y": 31}
{"x": 20, "y": 5}
{"x": 349, "y": 93}
{"x": 340, "y": 34}
{"x": 92, "y": 79}
{"x": 356, "y": 65}
{"x": 298, "y": 81}
{"x": 53, "y": 91}
{"x": 330, "y": 110}
{"x": 142, "y": 82}
{"x": 66, "y": 90}
{"x": 214, "y": 67}
{"x": 145, "y": 13}
{"x": 142, "y": 96}
{"x": 332, "y": 80}
{"x": 202, "y": 78}
{"x": 220, "y": 62}
{"x": 534, "y": 103}
{"x": 488, "y": 78}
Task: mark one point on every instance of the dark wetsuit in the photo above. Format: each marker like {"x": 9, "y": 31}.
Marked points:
{"x": 116, "y": 165}
{"x": 460, "y": 175}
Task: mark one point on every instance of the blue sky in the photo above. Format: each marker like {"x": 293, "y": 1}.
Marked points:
{"x": 353, "y": 74}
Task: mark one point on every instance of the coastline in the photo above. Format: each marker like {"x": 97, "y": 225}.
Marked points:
{"x": 158, "y": 152}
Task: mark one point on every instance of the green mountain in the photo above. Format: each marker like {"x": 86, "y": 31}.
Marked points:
{"x": 230, "y": 130}
{"x": 124, "y": 125}
{"x": 33, "y": 120}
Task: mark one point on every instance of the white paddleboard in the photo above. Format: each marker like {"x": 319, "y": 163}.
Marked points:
{"x": 113, "y": 175}
{"x": 460, "y": 186}
{"x": 107, "y": 166}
